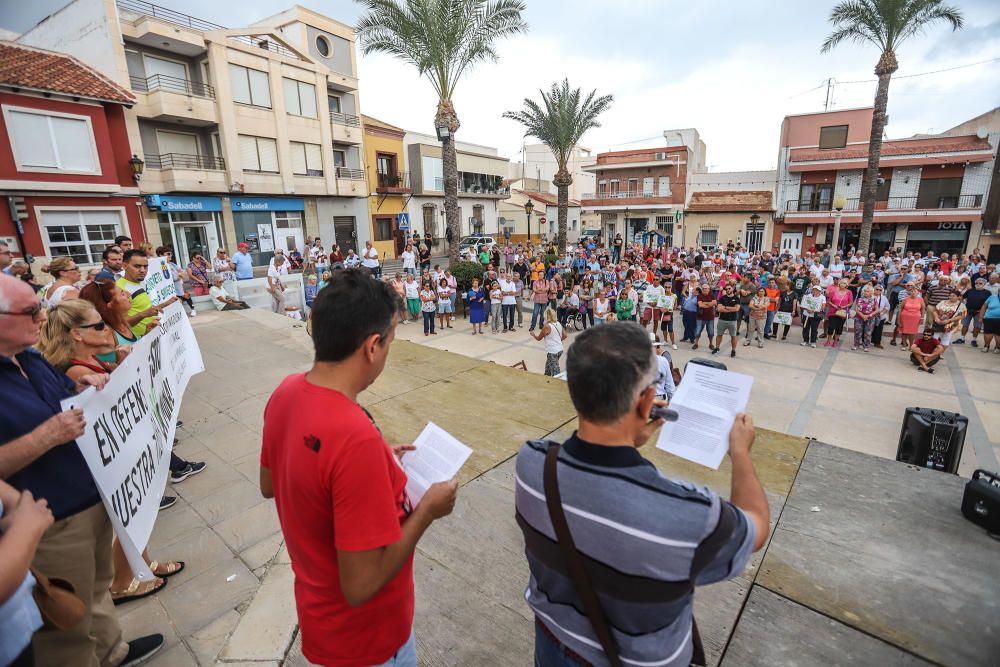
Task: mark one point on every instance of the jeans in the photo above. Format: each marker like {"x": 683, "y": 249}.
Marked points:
{"x": 495, "y": 317}
{"x": 690, "y": 318}
{"x": 585, "y": 315}
{"x": 702, "y": 325}
{"x": 617, "y": 255}
{"x": 406, "y": 656}
{"x": 810, "y": 328}
{"x": 429, "y": 322}
{"x": 412, "y": 272}
{"x": 538, "y": 313}
{"x": 548, "y": 652}
{"x": 770, "y": 321}
{"x": 508, "y": 316}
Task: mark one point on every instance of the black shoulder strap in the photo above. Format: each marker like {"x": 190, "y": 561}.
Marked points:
{"x": 577, "y": 571}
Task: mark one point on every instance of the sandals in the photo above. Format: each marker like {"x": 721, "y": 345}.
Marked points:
{"x": 138, "y": 590}
{"x": 173, "y": 567}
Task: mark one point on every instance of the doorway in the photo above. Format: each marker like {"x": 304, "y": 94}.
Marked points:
{"x": 196, "y": 239}
{"x": 791, "y": 242}
{"x": 345, "y": 233}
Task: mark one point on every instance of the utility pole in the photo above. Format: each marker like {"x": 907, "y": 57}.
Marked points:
{"x": 829, "y": 93}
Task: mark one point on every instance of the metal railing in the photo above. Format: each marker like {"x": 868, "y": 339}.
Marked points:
{"x": 267, "y": 43}
{"x": 352, "y": 174}
{"x": 627, "y": 194}
{"x": 474, "y": 188}
{"x": 172, "y": 84}
{"x": 184, "y": 161}
{"x": 399, "y": 180}
{"x": 345, "y": 119}
{"x": 892, "y": 203}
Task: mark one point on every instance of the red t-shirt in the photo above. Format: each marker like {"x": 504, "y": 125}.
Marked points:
{"x": 337, "y": 486}
{"x": 946, "y": 267}
{"x": 926, "y": 345}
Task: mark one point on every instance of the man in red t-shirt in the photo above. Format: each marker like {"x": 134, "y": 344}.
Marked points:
{"x": 926, "y": 351}
{"x": 340, "y": 489}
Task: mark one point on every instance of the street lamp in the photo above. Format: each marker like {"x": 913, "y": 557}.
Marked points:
{"x": 839, "y": 202}
{"x": 626, "y": 225}
{"x": 528, "y": 208}
{"x": 443, "y": 132}
{"x": 136, "y": 165}
{"x": 752, "y": 236}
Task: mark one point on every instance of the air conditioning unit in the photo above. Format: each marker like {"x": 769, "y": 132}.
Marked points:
{"x": 661, "y": 156}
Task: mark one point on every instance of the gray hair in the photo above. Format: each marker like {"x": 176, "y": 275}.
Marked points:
{"x": 607, "y": 367}
{"x": 279, "y": 259}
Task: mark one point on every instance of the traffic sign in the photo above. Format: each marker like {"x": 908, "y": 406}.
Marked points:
{"x": 403, "y": 222}
{"x": 541, "y": 220}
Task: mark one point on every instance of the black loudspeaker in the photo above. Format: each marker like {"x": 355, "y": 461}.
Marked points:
{"x": 932, "y": 439}
{"x": 981, "y": 502}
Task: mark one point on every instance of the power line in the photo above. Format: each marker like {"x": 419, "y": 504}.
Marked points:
{"x": 937, "y": 71}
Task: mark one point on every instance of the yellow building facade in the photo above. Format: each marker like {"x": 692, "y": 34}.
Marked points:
{"x": 388, "y": 185}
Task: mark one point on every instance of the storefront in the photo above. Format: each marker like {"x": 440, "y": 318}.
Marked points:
{"x": 949, "y": 237}
{"x": 188, "y": 224}
{"x": 266, "y": 223}
{"x": 883, "y": 237}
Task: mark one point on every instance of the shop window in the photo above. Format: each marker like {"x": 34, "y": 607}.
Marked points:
{"x": 383, "y": 228}
{"x": 82, "y": 235}
{"x": 833, "y": 136}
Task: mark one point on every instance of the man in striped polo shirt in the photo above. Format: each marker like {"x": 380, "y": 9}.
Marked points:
{"x": 645, "y": 540}
{"x": 935, "y": 295}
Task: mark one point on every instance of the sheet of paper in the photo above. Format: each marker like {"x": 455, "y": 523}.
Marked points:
{"x": 707, "y": 402}
{"x": 437, "y": 458}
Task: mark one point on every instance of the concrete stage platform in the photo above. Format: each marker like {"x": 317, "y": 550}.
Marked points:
{"x": 870, "y": 562}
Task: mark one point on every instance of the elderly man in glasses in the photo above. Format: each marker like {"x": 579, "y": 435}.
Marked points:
{"x": 38, "y": 453}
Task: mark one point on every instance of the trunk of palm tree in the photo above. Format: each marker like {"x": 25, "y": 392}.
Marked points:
{"x": 446, "y": 117}
{"x": 869, "y": 184}
{"x": 562, "y": 180}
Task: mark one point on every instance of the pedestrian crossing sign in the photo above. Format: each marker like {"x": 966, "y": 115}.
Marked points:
{"x": 403, "y": 222}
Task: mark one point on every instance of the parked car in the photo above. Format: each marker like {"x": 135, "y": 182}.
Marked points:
{"x": 478, "y": 241}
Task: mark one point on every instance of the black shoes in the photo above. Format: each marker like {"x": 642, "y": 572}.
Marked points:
{"x": 191, "y": 468}
{"x": 142, "y": 649}
{"x": 167, "y": 501}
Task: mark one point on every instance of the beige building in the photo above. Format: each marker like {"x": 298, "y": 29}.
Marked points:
{"x": 730, "y": 207}
{"x": 248, "y": 134}
{"x": 544, "y": 215}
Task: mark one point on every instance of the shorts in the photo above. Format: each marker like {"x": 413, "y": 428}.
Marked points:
{"x": 444, "y": 307}
{"x": 974, "y": 319}
{"x": 722, "y": 327}
{"x": 991, "y": 326}
{"x": 667, "y": 326}
{"x": 944, "y": 337}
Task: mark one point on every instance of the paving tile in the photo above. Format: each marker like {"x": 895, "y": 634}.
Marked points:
{"x": 147, "y": 620}
{"x": 229, "y": 500}
{"x": 208, "y": 641}
{"x": 984, "y": 385}
{"x": 217, "y": 474}
{"x": 267, "y": 627}
{"x": 199, "y": 550}
{"x": 859, "y": 399}
{"x": 263, "y": 552}
{"x": 208, "y": 596}
{"x": 231, "y": 442}
{"x": 250, "y": 526}
{"x": 176, "y": 656}
{"x": 176, "y": 523}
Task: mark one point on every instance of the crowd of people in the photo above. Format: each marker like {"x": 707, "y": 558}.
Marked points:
{"x": 57, "y": 340}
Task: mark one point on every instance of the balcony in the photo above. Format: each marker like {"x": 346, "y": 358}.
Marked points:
{"x": 350, "y": 174}
{"x": 346, "y": 128}
{"x": 396, "y": 183}
{"x": 157, "y": 27}
{"x": 892, "y": 204}
{"x": 350, "y": 182}
{"x": 171, "y": 84}
{"x": 171, "y": 99}
{"x": 621, "y": 199}
{"x": 179, "y": 172}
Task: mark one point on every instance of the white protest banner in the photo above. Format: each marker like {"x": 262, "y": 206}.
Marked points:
{"x": 159, "y": 282}
{"x": 130, "y": 429}
{"x": 783, "y": 318}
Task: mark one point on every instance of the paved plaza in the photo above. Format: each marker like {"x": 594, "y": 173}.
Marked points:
{"x": 233, "y": 603}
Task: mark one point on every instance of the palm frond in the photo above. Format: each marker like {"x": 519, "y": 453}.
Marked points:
{"x": 857, "y": 21}
{"x": 886, "y": 23}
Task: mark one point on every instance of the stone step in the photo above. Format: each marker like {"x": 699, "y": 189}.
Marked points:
{"x": 268, "y": 625}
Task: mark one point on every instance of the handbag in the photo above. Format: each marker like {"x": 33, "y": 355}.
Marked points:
{"x": 841, "y": 313}
{"x": 61, "y": 608}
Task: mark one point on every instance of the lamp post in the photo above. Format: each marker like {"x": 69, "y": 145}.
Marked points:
{"x": 136, "y": 165}
{"x": 838, "y": 207}
{"x": 626, "y": 225}
{"x": 528, "y": 208}
{"x": 754, "y": 219}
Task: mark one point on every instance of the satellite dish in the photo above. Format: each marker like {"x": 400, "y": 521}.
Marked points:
{"x": 982, "y": 132}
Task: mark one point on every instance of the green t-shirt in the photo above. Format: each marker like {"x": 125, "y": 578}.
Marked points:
{"x": 800, "y": 285}
{"x": 484, "y": 258}
{"x": 624, "y": 307}
{"x": 140, "y": 302}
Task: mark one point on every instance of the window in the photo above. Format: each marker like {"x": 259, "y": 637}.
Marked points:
{"x": 573, "y": 227}
{"x": 833, "y": 136}
{"x": 939, "y": 192}
{"x": 385, "y": 166}
{"x": 633, "y": 186}
{"x": 288, "y": 219}
{"x": 323, "y": 46}
{"x": 339, "y": 157}
{"x": 882, "y": 191}
{"x": 429, "y": 218}
{"x": 664, "y": 186}
{"x": 383, "y": 228}
{"x": 180, "y": 143}
{"x": 164, "y": 68}
{"x": 51, "y": 141}
{"x": 602, "y": 187}
{"x": 815, "y": 198}
{"x": 300, "y": 98}
{"x": 664, "y": 223}
{"x": 82, "y": 235}
{"x": 433, "y": 173}
{"x": 258, "y": 154}
{"x": 250, "y": 86}
{"x": 708, "y": 239}
{"x": 614, "y": 187}
{"x": 647, "y": 186}
{"x": 307, "y": 159}
{"x": 334, "y": 103}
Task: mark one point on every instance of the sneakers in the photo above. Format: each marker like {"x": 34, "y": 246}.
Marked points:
{"x": 827, "y": 343}
{"x": 674, "y": 346}
{"x": 813, "y": 345}
{"x": 974, "y": 343}
{"x": 167, "y": 501}
{"x": 760, "y": 344}
{"x": 746, "y": 343}
{"x": 960, "y": 341}
{"x": 804, "y": 344}
{"x": 142, "y": 649}
{"x": 193, "y": 313}
{"x": 733, "y": 352}
{"x": 715, "y": 350}
{"x": 191, "y": 468}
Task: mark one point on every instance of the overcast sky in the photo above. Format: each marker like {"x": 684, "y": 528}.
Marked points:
{"x": 730, "y": 69}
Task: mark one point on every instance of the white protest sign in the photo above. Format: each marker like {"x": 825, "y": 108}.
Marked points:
{"x": 783, "y": 318}
{"x": 159, "y": 282}
{"x": 130, "y": 429}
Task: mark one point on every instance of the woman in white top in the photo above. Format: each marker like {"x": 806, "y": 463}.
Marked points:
{"x": 496, "y": 300}
{"x": 554, "y": 334}
{"x": 66, "y": 273}
{"x": 369, "y": 260}
{"x": 602, "y": 306}
{"x": 428, "y": 304}
{"x": 444, "y": 304}
{"x": 837, "y": 268}
{"x": 409, "y": 260}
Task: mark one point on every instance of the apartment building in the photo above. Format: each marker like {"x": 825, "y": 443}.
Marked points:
{"x": 248, "y": 135}
{"x": 538, "y": 162}
{"x": 66, "y": 172}
{"x": 388, "y": 185}
{"x": 931, "y": 190}
{"x": 481, "y": 175}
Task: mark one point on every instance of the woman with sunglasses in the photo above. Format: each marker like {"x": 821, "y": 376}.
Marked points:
{"x": 66, "y": 274}
{"x": 112, "y": 303}
{"x": 77, "y": 340}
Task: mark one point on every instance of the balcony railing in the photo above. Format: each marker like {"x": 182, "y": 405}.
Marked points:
{"x": 474, "y": 188}
{"x": 892, "y": 203}
{"x": 345, "y": 119}
{"x": 184, "y": 161}
{"x": 352, "y": 174}
{"x": 394, "y": 181}
{"x": 627, "y": 194}
{"x": 172, "y": 84}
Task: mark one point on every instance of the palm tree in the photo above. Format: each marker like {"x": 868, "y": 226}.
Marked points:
{"x": 442, "y": 39}
{"x": 886, "y": 24}
{"x": 559, "y": 122}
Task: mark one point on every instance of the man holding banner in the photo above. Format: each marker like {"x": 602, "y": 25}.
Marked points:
{"x": 38, "y": 453}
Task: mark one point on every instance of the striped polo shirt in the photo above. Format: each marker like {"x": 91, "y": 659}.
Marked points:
{"x": 638, "y": 533}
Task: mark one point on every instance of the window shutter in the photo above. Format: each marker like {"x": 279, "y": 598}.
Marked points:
{"x": 73, "y": 143}
{"x": 241, "y": 84}
{"x": 307, "y": 99}
{"x": 177, "y": 142}
{"x": 664, "y": 186}
{"x": 291, "y": 89}
{"x": 164, "y": 67}
{"x": 298, "y": 157}
{"x": 260, "y": 91}
{"x": 29, "y": 134}
{"x": 248, "y": 153}
{"x": 314, "y": 157}
{"x": 268, "y": 151}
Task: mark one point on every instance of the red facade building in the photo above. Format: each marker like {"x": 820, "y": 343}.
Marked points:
{"x": 66, "y": 182}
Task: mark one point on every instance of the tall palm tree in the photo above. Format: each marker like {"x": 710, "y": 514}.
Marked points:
{"x": 886, "y": 24}
{"x": 442, "y": 39}
{"x": 559, "y": 122}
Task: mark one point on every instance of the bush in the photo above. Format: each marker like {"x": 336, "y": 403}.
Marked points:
{"x": 550, "y": 260}
{"x": 464, "y": 272}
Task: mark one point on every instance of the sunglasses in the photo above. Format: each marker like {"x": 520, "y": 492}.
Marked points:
{"x": 96, "y": 326}
{"x": 32, "y": 313}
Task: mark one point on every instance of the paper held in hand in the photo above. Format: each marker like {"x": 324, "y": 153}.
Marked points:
{"x": 437, "y": 458}
{"x": 707, "y": 402}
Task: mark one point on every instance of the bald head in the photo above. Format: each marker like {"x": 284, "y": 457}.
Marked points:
{"x": 10, "y": 288}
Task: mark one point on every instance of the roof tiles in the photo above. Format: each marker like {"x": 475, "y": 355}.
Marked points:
{"x": 37, "y": 69}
